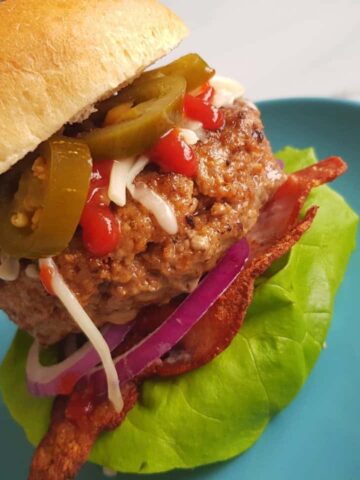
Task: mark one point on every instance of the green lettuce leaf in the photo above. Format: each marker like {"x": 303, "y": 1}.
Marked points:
{"x": 178, "y": 422}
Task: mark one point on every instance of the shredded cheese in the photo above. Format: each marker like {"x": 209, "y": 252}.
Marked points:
{"x": 195, "y": 126}
{"x": 162, "y": 211}
{"x": 118, "y": 178}
{"x": 82, "y": 319}
{"x": 9, "y": 268}
{"x": 122, "y": 178}
{"x": 226, "y": 91}
{"x": 153, "y": 202}
{"x": 189, "y": 136}
{"x": 138, "y": 167}
{"x": 31, "y": 271}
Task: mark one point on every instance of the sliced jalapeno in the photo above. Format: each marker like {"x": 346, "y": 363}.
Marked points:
{"x": 151, "y": 108}
{"x": 41, "y": 201}
{"x": 192, "y": 67}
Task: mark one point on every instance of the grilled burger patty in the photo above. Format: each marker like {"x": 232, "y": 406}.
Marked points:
{"x": 237, "y": 174}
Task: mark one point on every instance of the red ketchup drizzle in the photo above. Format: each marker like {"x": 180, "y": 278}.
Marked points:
{"x": 207, "y": 93}
{"x": 67, "y": 383}
{"x": 81, "y": 404}
{"x": 46, "y": 276}
{"x": 173, "y": 154}
{"x": 199, "y": 108}
{"x": 100, "y": 227}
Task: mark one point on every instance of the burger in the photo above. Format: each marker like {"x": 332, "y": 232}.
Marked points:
{"x": 139, "y": 208}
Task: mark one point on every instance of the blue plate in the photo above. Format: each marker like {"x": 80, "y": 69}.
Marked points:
{"x": 318, "y": 436}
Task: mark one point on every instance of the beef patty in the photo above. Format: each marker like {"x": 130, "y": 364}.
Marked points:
{"x": 237, "y": 174}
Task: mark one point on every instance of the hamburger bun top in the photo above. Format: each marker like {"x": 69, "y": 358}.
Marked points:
{"x": 59, "y": 57}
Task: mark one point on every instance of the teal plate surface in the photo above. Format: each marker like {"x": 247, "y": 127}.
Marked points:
{"x": 318, "y": 436}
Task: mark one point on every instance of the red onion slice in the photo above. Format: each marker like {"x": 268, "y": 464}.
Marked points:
{"x": 280, "y": 163}
{"x": 61, "y": 378}
{"x": 179, "y": 323}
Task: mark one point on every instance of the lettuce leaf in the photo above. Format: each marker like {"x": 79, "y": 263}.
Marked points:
{"x": 178, "y": 422}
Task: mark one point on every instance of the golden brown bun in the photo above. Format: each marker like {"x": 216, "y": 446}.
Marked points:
{"x": 58, "y": 57}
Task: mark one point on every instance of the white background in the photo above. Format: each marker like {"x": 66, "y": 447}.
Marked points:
{"x": 278, "y": 48}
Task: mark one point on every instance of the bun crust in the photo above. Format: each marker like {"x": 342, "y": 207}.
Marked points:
{"x": 59, "y": 57}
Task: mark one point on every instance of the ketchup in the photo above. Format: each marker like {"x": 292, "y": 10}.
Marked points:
{"x": 81, "y": 404}
{"x": 100, "y": 176}
{"x": 201, "y": 109}
{"x": 46, "y": 275}
{"x": 207, "y": 93}
{"x": 173, "y": 154}
{"x": 67, "y": 383}
{"x": 100, "y": 227}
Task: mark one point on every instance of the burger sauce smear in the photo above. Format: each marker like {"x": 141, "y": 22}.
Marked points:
{"x": 100, "y": 227}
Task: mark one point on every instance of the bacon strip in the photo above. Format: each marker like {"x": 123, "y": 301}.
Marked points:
{"x": 283, "y": 210}
{"x": 68, "y": 442}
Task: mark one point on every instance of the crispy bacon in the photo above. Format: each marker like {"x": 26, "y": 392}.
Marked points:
{"x": 74, "y": 429}
{"x": 282, "y": 211}
{"x": 67, "y": 445}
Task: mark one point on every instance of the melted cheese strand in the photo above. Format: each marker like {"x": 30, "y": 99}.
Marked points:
{"x": 82, "y": 319}
{"x": 9, "y": 268}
